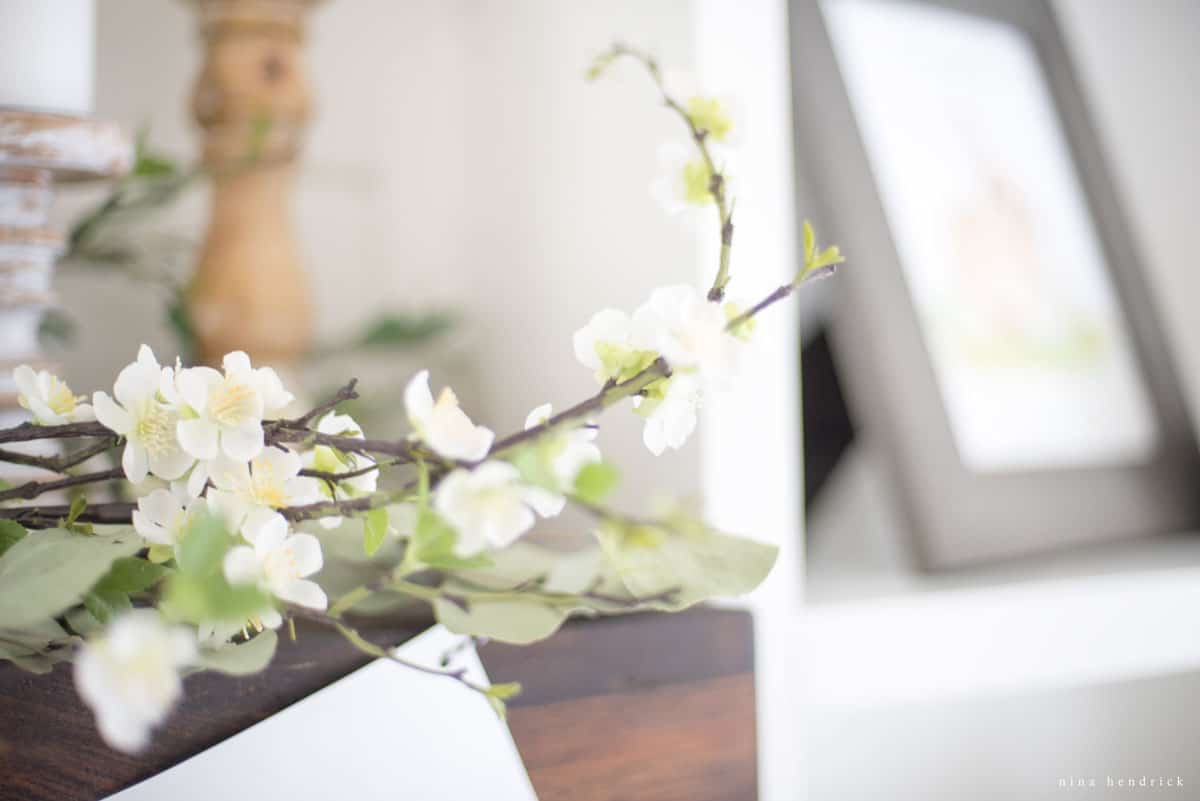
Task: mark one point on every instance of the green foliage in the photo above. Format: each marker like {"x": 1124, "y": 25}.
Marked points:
{"x": 241, "y": 659}
{"x": 398, "y": 330}
{"x": 817, "y": 263}
{"x": 433, "y": 541}
{"x": 78, "y": 506}
{"x": 375, "y": 528}
{"x": 199, "y": 591}
{"x": 665, "y": 565}
{"x": 595, "y": 481}
{"x": 11, "y": 532}
{"x": 36, "y": 648}
{"x": 513, "y": 620}
{"x": 56, "y": 328}
{"x": 684, "y": 558}
{"x": 44, "y": 573}
{"x": 111, "y": 594}
{"x": 499, "y": 694}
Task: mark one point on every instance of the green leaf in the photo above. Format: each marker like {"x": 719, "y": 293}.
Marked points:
{"x": 77, "y": 508}
{"x": 513, "y": 621}
{"x": 81, "y": 621}
{"x": 11, "y": 532}
{"x": 202, "y": 547}
{"x": 36, "y": 648}
{"x": 810, "y": 243}
{"x": 595, "y": 481}
{"x": 433, "y": 544}
{"x": 110, "y": 596}
{"x": 199, "y": 591}
{"x": 197, "y": 599}
{"x": 398, "y": 330}
{"x": 690, "y": 560}
{"x": 56, "y": 328}
{"x": 499, "y": 694}
{"x": 160, "y": 553}
{"x": 44, "y": 573}
{"x": 241, "y": 659}
{"x": 375, "y": 528}
{"x": 505, "y": 691}
{"x": 104, "y": 606}
{"x": 131, "y": 574}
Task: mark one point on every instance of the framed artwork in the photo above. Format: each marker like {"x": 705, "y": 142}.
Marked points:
{"x": 1000, "y": 344}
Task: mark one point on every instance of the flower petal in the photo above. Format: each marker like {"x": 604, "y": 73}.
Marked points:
{"x": 302, "y": 592}
{"x": 236, "y": 362}
{"x": 418, "y": 399}
{"x": 135, "y": 383}
{"x": 171, "y": 464}
{"x": 538, "y": 416}
{"x": 198, "y": 437}
{"x": 306, "y": 553}
{"x": 241, "y": 565}
{"x": 265, "y": 528}
{"x": 110, "y": 415}
{"x": 244, "y": 442}
{"x": 194, "y": 385}
{"x": 135, "y": 463}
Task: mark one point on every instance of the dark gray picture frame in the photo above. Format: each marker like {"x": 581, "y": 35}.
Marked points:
{"x": 958, "y": 517}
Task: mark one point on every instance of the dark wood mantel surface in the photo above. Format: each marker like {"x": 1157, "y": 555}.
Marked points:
{"x": 641, "y": 708}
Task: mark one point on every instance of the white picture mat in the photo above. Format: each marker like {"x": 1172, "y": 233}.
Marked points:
{"x": 383, "y": 732}
{"x": 1031, "y": 353}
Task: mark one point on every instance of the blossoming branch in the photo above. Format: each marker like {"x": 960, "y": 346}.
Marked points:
{"x": 223, "y": 503}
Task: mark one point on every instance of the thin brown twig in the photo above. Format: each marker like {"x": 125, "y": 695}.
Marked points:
{"x": 717, "y": 182}
{"x": 58, "y": 464}
{"x": 32, "y": 489}
{"x": 366, "y": 646}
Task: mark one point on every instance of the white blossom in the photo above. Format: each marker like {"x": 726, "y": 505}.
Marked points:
{"x": 443, "y": 426}
{"x": 670, "y": 410}
{"x": 488, "y": 506}
{"x": 129, "y": 676}
{"x": 570, "y": 452}
{"x": 278, "y": 562}
{"x": 163, "y": 515}
{"x": 224, "y": 411}
{"x": 605, "y": 345}
{"x": 330, "y": 460}
{"x": 147, "y": 422}
{"x": 48, "y": 398}
{"x": 271, "y": 480}
{"x": 680, "y": 323}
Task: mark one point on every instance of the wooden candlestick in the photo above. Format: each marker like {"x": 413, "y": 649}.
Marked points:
{"x": 38, "y": 150}
{"x": 251, "y": 99}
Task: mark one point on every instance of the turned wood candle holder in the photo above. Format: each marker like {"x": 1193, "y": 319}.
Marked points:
{"x": 38, "y": 151}
{"x": 251, "y": 99}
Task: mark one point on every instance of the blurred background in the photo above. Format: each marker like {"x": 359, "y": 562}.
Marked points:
{"x": 462, "y": 199}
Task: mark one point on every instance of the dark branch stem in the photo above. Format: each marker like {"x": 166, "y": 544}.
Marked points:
{"x": 370, "y": 648}
{"x": 606, "y": 397}
{"x": 32, "y": 489}
{"x": 50, "y": 516}
{"x": 58, "y": 464}
{"x": 717, "y": 183}
{"x": 28, "y": 432}
{"x": 345, "y": 393}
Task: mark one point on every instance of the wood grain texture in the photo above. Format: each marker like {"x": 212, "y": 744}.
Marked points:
{"x": 650, "y": 707}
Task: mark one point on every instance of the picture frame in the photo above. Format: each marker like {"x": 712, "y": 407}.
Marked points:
{"x": 1000, "y": 346}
